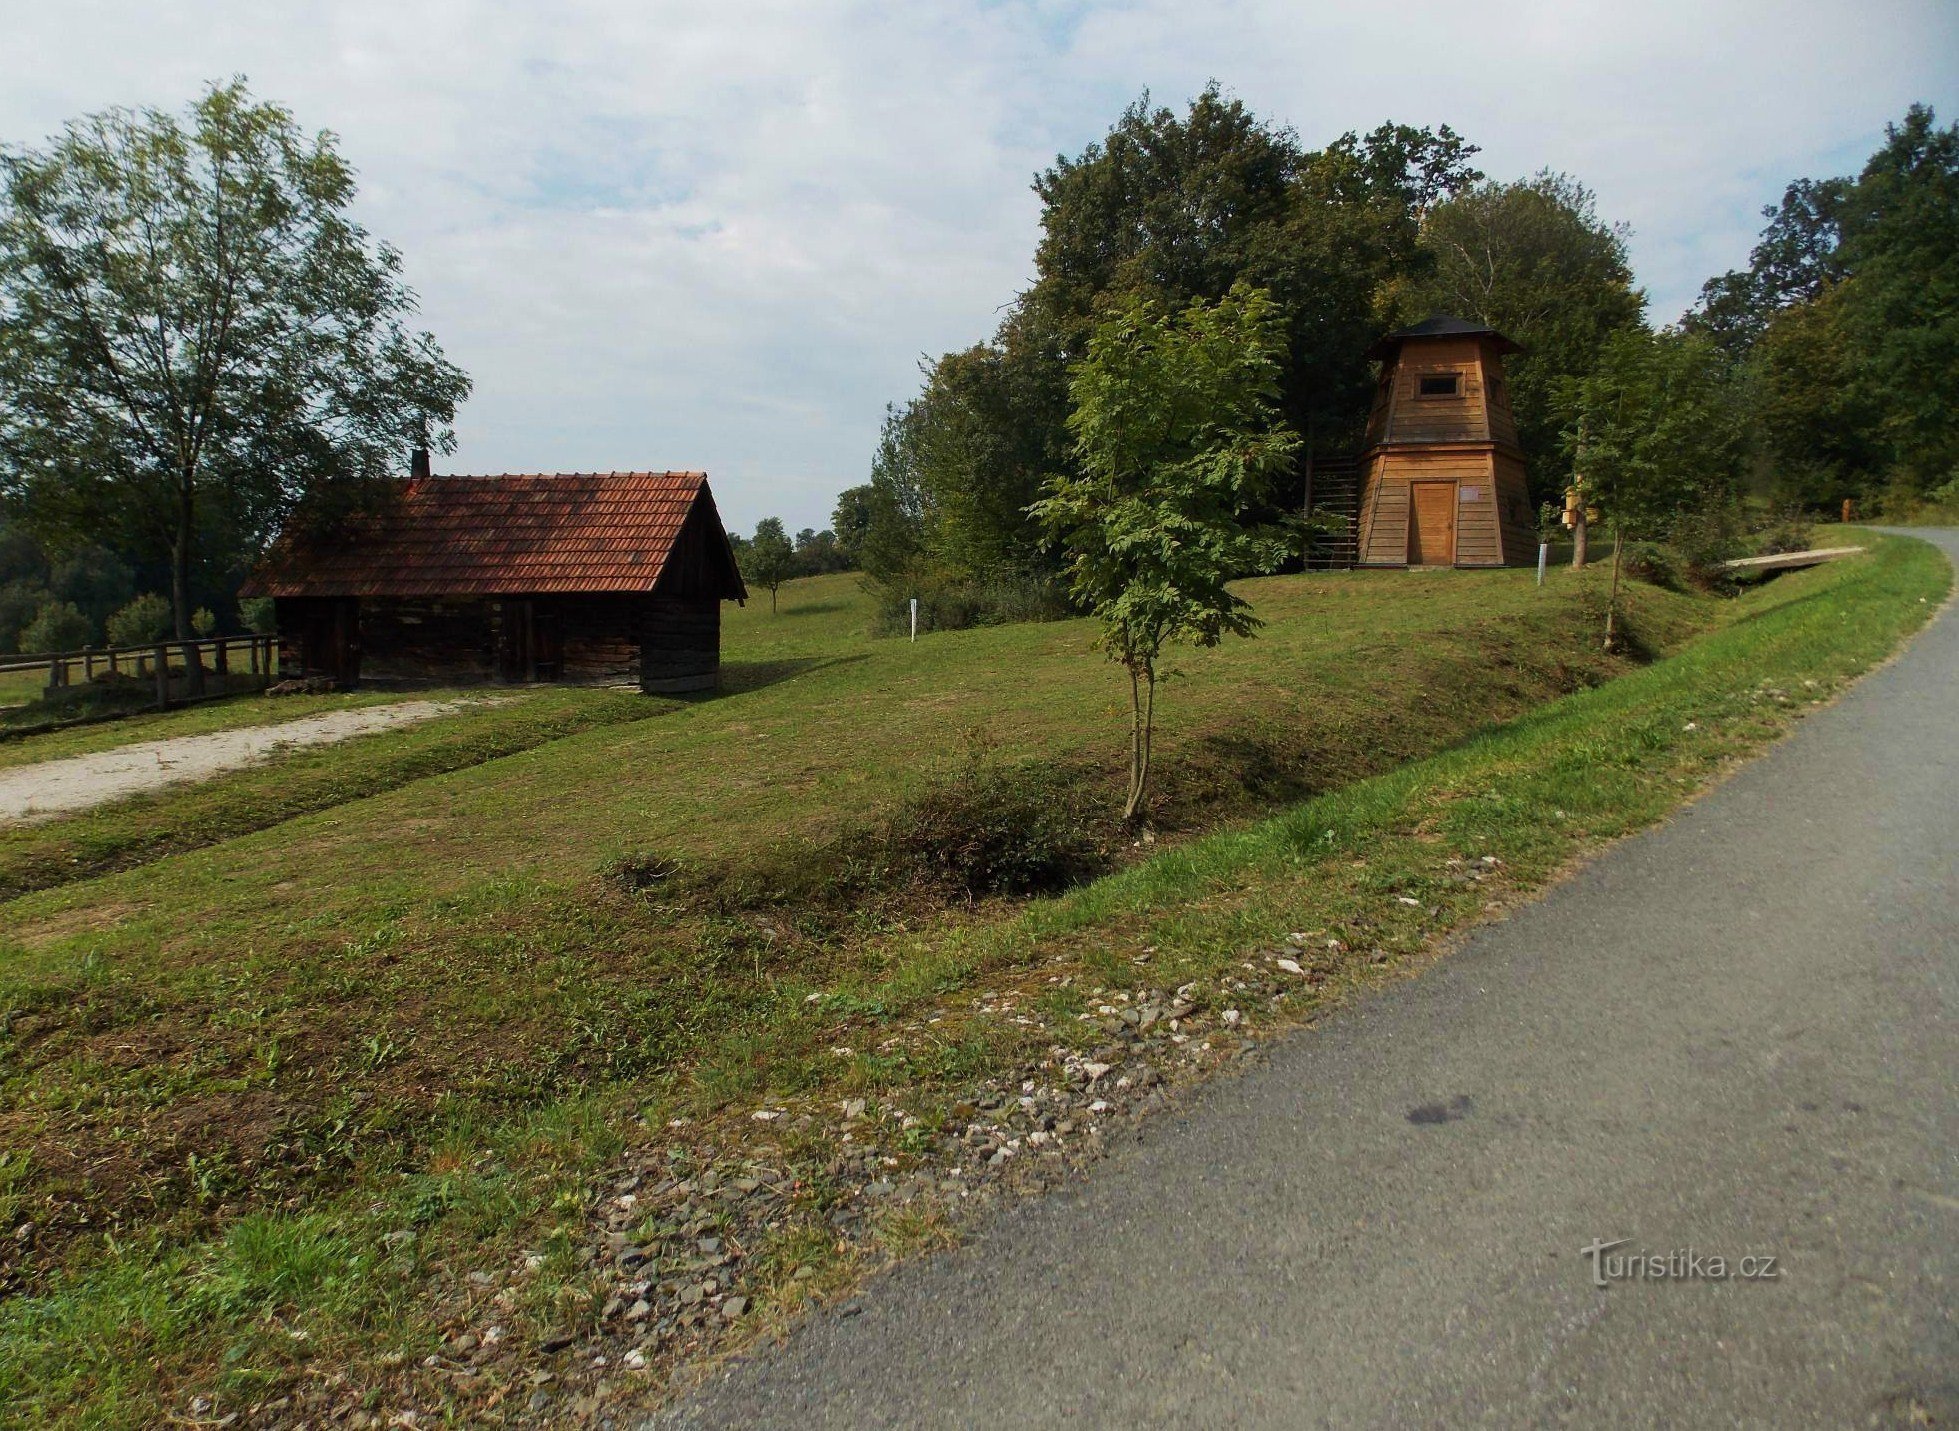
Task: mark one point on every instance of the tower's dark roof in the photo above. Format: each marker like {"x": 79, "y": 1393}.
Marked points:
{"x": 1441, "y": 325}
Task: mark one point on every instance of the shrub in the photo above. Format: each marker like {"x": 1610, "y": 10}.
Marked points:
{"x": 1789, "y": 531}
{"x": 1705, "y": 537}
{"x": 20, "y": 602}
{"x": 953, "y": 601}
{"x": 203, "y": 622}
{"x": 1017, "y": 830}
{"x": 143, "y": 622}
{"x": 257, "y": 614}
{"x": 1657, "y": 565}
{"x": 988, "y": 830}
{"x": 57, "y": 626}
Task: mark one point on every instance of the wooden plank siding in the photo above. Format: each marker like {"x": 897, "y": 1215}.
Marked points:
{"x": 1467, "y": 437}
{"x": 1515, "y": 518}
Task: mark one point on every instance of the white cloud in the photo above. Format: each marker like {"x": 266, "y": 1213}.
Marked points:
{"x": 722, "y": 236}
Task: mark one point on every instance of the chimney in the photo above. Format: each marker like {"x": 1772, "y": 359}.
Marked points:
{"x": 418, "y": 462}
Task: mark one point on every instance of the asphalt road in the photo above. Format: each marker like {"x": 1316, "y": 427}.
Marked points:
{"x": 1734, "y": 1034}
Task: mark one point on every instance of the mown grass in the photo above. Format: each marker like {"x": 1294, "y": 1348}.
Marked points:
{"x": 177, "y": 818}
{"x": 19, "y": 687}
{"x": 429, "y": 1011}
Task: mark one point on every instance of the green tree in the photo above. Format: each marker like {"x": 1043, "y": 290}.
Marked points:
{"x": 57, "y": 626}
{"x": 20, "y": 602}
{"x": 195, "y": 333}
{"x": 1175, "y": 419}
{"x": 1794, "y": 260}
{"x": 1533, "y": 260}
{"x": 143, "y": 622}
{"x": 1900, "y": 225}
{"x": 95, "y": 579}
{"x": 1848, "y": 317}
{"x": 770, "y": 559}
{"x": 1656, "y": 430}
{"x": 852, "y": 521}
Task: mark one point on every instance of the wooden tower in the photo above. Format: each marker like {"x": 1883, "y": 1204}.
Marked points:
{"x": 1443, "y": 478}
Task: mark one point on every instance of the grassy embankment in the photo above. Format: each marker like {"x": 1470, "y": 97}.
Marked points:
{"x": 234, "y": 1076}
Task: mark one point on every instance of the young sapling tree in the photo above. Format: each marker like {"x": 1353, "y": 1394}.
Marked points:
{"x": 1176, "y": 423}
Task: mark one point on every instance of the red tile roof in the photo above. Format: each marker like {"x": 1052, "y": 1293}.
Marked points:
{"x": 502, "y": 536}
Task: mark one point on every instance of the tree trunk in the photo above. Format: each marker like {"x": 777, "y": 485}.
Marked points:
{"x": 772, "y": 601}
{"x": 1135, "y": 796}
{"x": 1578, "y": 539}
{"x": 1142, "y": 731}
{"x": 1612, "y": 601}
{"x": 180, "y": 588}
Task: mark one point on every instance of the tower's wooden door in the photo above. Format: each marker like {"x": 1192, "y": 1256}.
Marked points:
{"x": 1431, "y": 524}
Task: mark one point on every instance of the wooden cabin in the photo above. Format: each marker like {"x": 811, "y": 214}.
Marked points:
{"x": 1443, "y": 478}
{"x": 600, "y": 578}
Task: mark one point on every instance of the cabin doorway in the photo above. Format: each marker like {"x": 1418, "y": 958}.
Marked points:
{"x": 329, "y": 640}
{"x": 1431, "y": 524}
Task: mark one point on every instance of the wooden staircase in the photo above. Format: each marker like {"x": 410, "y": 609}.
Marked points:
{"x": 1333, "y": 494}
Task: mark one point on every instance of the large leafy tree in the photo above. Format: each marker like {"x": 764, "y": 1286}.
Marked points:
{"x": 197, "y": 339}
{"x": 1175, "y": 419}
{"x": 1848, "y": 318}
{"x": 1900, "y": 255}
{"x": 1533, "y": 260}
{"x": 1655, "y": 430}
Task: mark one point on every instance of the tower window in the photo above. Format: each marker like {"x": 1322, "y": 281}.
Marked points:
{"x": 1440, "y": 384}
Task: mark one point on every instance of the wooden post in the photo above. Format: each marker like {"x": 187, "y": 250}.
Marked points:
{"x": 222, "y": 662}
{"x": 88, "y": 664}
{"x": 54, "y": 673}
{"x": 1846, "y": 511}
{"x": 161, "y": 656}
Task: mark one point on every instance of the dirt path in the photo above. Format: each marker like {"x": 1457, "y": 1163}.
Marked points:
{"x": 60, "y": 787}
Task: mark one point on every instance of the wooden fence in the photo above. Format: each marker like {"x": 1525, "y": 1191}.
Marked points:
{"x": 177, "y": 668}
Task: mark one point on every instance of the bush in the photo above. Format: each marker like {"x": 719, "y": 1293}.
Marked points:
{"x": 1656, "y": 565}
{"x": 257, "y": 613}
{"x": 20, "y": 602}
{"x": 57, "y": 626}
{"x": 1788, "y": 532}
{"x": 992, "y": 830}
{"x": 144, "y": 622}
{"x": 1705, "y": 538}
{"x": 203, "y": 622}
{"x": 952, "y": 601}
{"x": 989, "y": 830}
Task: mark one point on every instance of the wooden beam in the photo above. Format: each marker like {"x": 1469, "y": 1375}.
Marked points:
{"x": 1785, "y": 561}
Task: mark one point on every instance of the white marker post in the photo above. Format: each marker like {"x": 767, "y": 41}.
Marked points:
{"x": 914, "y": 613}
{"x": 1543, "y": 555}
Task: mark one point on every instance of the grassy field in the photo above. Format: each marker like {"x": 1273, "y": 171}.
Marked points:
{"x": 20, "y": 687}
{"x": 235, "y": 1073}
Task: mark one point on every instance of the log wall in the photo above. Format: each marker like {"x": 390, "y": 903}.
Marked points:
{"x": 681, "y": 645}
{"x": 438, "y": 639}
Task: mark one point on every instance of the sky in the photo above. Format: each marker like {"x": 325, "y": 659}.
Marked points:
{"x": 723, "y": 236}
